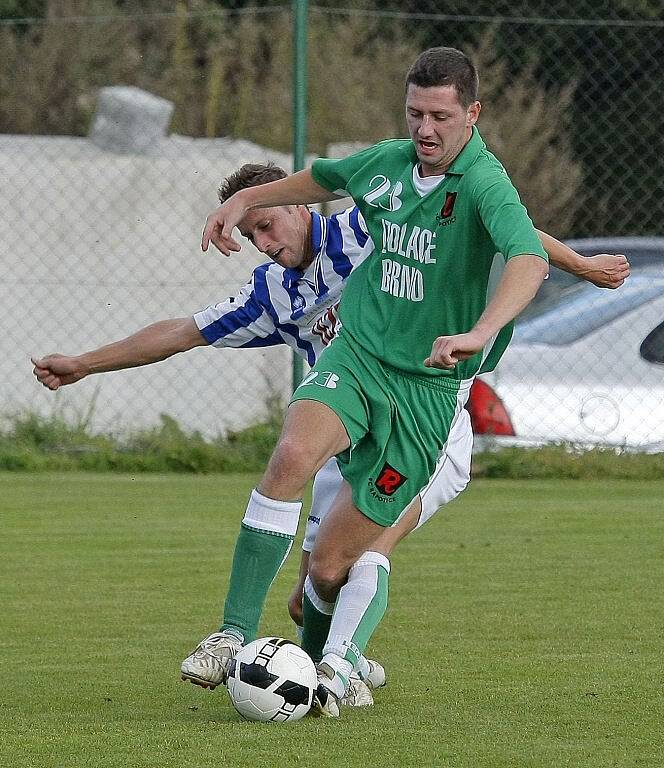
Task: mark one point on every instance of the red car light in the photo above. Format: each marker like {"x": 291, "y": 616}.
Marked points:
{"x": 488, "y": 415}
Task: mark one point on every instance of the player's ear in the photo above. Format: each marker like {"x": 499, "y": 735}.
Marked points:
{"x": 472, "y": 113}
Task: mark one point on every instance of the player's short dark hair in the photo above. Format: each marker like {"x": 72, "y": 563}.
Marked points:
{"x": 249, "y": 175}
{"x": 446, "y": 66}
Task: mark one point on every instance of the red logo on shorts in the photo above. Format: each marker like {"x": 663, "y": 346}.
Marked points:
{"x": 389, "y": 480}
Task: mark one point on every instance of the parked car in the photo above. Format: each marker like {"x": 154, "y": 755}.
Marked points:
{"x": 586, "y": 365}
{"x": 642, "y": 253}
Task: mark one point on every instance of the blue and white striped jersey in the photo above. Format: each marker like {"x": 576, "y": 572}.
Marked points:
{"x": 288, "y": 306}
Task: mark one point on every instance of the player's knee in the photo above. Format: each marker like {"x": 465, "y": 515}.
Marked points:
{"x": 293, "y": 456}
{"x": 327, "y": 577}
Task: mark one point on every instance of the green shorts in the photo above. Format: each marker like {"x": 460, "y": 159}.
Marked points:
{"x": 397, "y": 424}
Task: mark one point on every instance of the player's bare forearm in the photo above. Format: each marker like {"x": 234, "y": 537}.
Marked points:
{"x": 522, "y": 277}
{"x": 300, "y": 188}
{"x": 605, "y": 270}
{"x": 149, "y": 345}
{"x": 518, "y": 285}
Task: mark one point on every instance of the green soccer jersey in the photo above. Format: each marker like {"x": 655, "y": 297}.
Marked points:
{"x": 428, "y": 275}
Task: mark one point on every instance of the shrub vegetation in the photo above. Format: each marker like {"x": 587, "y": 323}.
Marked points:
{"x": 30, "y": 442}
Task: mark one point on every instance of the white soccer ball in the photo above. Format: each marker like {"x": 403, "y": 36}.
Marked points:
{"x": 272, "y": 679}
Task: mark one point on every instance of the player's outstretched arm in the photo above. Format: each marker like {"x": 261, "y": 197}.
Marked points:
{"x": 522, "y": 277}
{"x": 149, "y": 345}
{"x": 605, "y": 270}
{"x": 298, "y": 189}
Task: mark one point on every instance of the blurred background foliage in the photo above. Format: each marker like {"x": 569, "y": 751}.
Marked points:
{"x": 572, "y": 92}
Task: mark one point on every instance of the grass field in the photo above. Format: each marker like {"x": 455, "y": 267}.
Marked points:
{"x": 525, "y": 628}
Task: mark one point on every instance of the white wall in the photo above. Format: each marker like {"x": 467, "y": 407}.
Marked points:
{"x": 93, "y": 246}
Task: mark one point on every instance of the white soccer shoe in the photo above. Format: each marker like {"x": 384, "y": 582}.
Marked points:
{"x": 325, "y": 703}
{"x": 357, "y": 694}
{"x": 376, "y": 677}
{"x": 207, "y": 665}
{"x": 359, "y": 691}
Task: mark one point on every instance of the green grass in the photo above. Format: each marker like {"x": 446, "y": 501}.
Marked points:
{"x": 525, "y": 628}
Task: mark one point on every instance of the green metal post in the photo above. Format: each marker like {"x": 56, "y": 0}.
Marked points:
{"x": 299, "y": 116}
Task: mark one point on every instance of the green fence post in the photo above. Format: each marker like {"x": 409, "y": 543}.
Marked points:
{"x": 299, "y": 117}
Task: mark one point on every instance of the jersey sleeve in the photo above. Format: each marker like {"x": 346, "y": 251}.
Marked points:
{"x": 336, "y": 175}
{"x": 347, "y": 237}
{"x": 353, "y": 220}
{"x": 238, "y": 321}
{"x": 505, "y": 217}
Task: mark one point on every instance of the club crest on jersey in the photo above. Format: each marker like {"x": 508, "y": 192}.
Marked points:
{"x": 445, "y": 216}
{"x": 327, "y": 326}
{"x": 390, "y": 480}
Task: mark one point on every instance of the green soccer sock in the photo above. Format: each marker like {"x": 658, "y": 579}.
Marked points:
{"x": 259, "y": 555}
{"x": 316, "y": 615}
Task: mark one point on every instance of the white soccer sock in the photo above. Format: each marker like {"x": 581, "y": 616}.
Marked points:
{"x": 359, "y": 607}
{"x": 265, "y": 514}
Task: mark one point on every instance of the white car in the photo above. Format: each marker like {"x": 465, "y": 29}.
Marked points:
{"x": 586, "y": 367}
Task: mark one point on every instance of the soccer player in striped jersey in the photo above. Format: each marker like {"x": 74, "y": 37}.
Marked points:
{"x": 292, "y": 300}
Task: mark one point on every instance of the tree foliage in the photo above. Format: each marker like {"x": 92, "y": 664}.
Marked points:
{"x": 566, "y": 106}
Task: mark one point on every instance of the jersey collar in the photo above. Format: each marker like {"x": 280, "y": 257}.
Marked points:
{"x": 468, "y": 154}
{"x": 293, "y": 275}
{"x": 318, "y": 233}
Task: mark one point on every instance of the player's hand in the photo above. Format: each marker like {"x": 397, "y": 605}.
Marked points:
{"x": 447, "y": 351}
{"x": 54, "y": 371}
{"x": 220, "y": 223}
{"x": 606, "y": 270}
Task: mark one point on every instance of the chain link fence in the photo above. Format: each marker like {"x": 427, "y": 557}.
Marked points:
{"x": 105, "y": 192}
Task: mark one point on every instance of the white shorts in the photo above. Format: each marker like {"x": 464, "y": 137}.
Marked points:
{"x": 450, "y": 477}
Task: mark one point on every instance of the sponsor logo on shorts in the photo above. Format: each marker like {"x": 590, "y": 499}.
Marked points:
{"x": 313, "y": 519}
{"x": 390, "y": 480}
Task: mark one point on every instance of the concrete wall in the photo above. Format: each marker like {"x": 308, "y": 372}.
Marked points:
{"x": 94, "y": 244}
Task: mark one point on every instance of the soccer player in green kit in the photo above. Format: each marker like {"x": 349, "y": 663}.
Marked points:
{"x": 417, "y": 325}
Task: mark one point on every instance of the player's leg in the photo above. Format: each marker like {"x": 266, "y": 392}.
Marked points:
{"x": 344, "y": 533}
{"x": 326, "y": 485}
{"x": 325, "y": 488}
{"x": 311, "y": 434}
{"x": 450, "y": 477}
{"x": 362, "y": 600}
{"x": 295, "y": 597}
